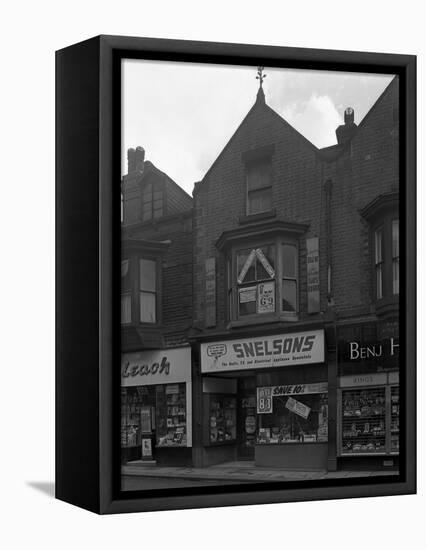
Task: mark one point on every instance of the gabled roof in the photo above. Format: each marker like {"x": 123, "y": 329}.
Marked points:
{"x": 150, "y": 168}
{"x": 260, "y": 103}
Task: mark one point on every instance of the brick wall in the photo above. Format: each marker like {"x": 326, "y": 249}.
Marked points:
{"x": 176, "y": 291}
{"x": 367, "y": 169}
{"x": 220, "y": 198}
{"x": 358, "y": 174}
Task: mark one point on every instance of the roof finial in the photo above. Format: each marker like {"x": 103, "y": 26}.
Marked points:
{"x": 260, "y": 76}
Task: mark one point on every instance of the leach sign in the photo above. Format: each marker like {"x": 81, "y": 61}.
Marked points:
{"x": 266, "y": 352}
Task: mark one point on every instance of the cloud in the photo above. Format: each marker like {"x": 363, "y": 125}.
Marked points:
{"x": 316, "y": 119}
{"x": 183, "y": 114}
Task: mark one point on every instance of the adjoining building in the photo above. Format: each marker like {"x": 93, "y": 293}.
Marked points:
{"x": 156, "y": 314}
{"x": 273, "y": 294}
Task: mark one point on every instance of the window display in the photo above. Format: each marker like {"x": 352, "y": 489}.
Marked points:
{"x": 171, "y": 415}
{"x": 364, "y": 421}
{"x": 160, "y": 409}
{"x": 394, "y": 427}
{"x": 293, "y": 418}
{"x": 222, "y": 419}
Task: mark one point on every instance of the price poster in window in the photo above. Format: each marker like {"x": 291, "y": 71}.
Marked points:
{"x": 297, "y": 407}
{"x": 264, "y": 400}
{"x": 266, "y": 298}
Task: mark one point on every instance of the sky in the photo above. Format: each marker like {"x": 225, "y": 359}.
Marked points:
{"x": 183, "y": 114}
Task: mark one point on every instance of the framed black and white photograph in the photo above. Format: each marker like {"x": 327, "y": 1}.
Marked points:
{"x": 236, "y": 260}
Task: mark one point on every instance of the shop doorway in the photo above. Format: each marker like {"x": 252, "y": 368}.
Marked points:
{"x": 246, "y": 417}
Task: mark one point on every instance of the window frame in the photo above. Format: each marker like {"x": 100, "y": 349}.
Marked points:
{"x": 385, "y": 224}
{"x": 263, "y": 161}
{"x": 135, "y": 291}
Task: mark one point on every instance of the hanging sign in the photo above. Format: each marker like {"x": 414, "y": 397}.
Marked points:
{"x": 312, "y": 262}
{"x": 266, "y": 297}
{"x": 246, "y": 266}
{"x": 298, "y": 408}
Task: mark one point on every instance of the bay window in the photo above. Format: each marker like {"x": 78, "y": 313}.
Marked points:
{"x": 263, "y": 280}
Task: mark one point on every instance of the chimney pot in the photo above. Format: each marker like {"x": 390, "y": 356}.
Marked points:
{"x": 131, "y": 160}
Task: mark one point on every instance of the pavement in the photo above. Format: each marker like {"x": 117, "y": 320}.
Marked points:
{"x": 241, "y": 471}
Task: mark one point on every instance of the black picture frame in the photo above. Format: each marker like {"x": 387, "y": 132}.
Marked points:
{"x": 88, "y": 246}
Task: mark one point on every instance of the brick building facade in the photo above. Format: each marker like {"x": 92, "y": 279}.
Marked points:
{"x": 282, "y": 281}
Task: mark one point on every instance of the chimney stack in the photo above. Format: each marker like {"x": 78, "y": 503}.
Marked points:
{"x": 135, "y": 159}
{"x": 345, "y": 132}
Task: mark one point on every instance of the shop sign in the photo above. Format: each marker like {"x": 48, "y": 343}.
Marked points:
{"x": 264, "y": 400}
{"x": 298, "y": 408}
{"x": 312, "y": 262}
{"x": 363, "y": 380}
{"x": 266, "y": 297}
{"x": 168, "y": 366}
{"x": 357, "y": 351}
{"x": 281, "y": 350}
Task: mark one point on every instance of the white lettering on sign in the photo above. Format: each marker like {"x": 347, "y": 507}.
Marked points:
{"x": 264, "y": 400}
{"x": 269, "y": 351}
{"x": 356, "y": 351}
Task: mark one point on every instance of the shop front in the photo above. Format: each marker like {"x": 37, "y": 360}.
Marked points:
{"x": 265, "y": 399}
{"x": 368, "y": 404}
{"x": 156, "y": 408}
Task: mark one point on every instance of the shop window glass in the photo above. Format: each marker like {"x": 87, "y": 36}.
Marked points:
{"x": 222, "y": 418}
{"x": 167, "y": 415}
{"x": 259, "y": 188}
{"x": 171, "y": 415}
{"x": 363, "y": 421}
{"x": 292, "y": 418}
{"x": 148, "y": 290}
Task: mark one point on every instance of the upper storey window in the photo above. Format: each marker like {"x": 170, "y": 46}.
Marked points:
{"x": 259, "y": 187}
{"x": 152, "y": 202}
{"x": 382, "y": 215}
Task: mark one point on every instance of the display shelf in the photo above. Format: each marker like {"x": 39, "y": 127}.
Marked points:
{"x": 363, "y": 422}
{"x": 221, "y": 419}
